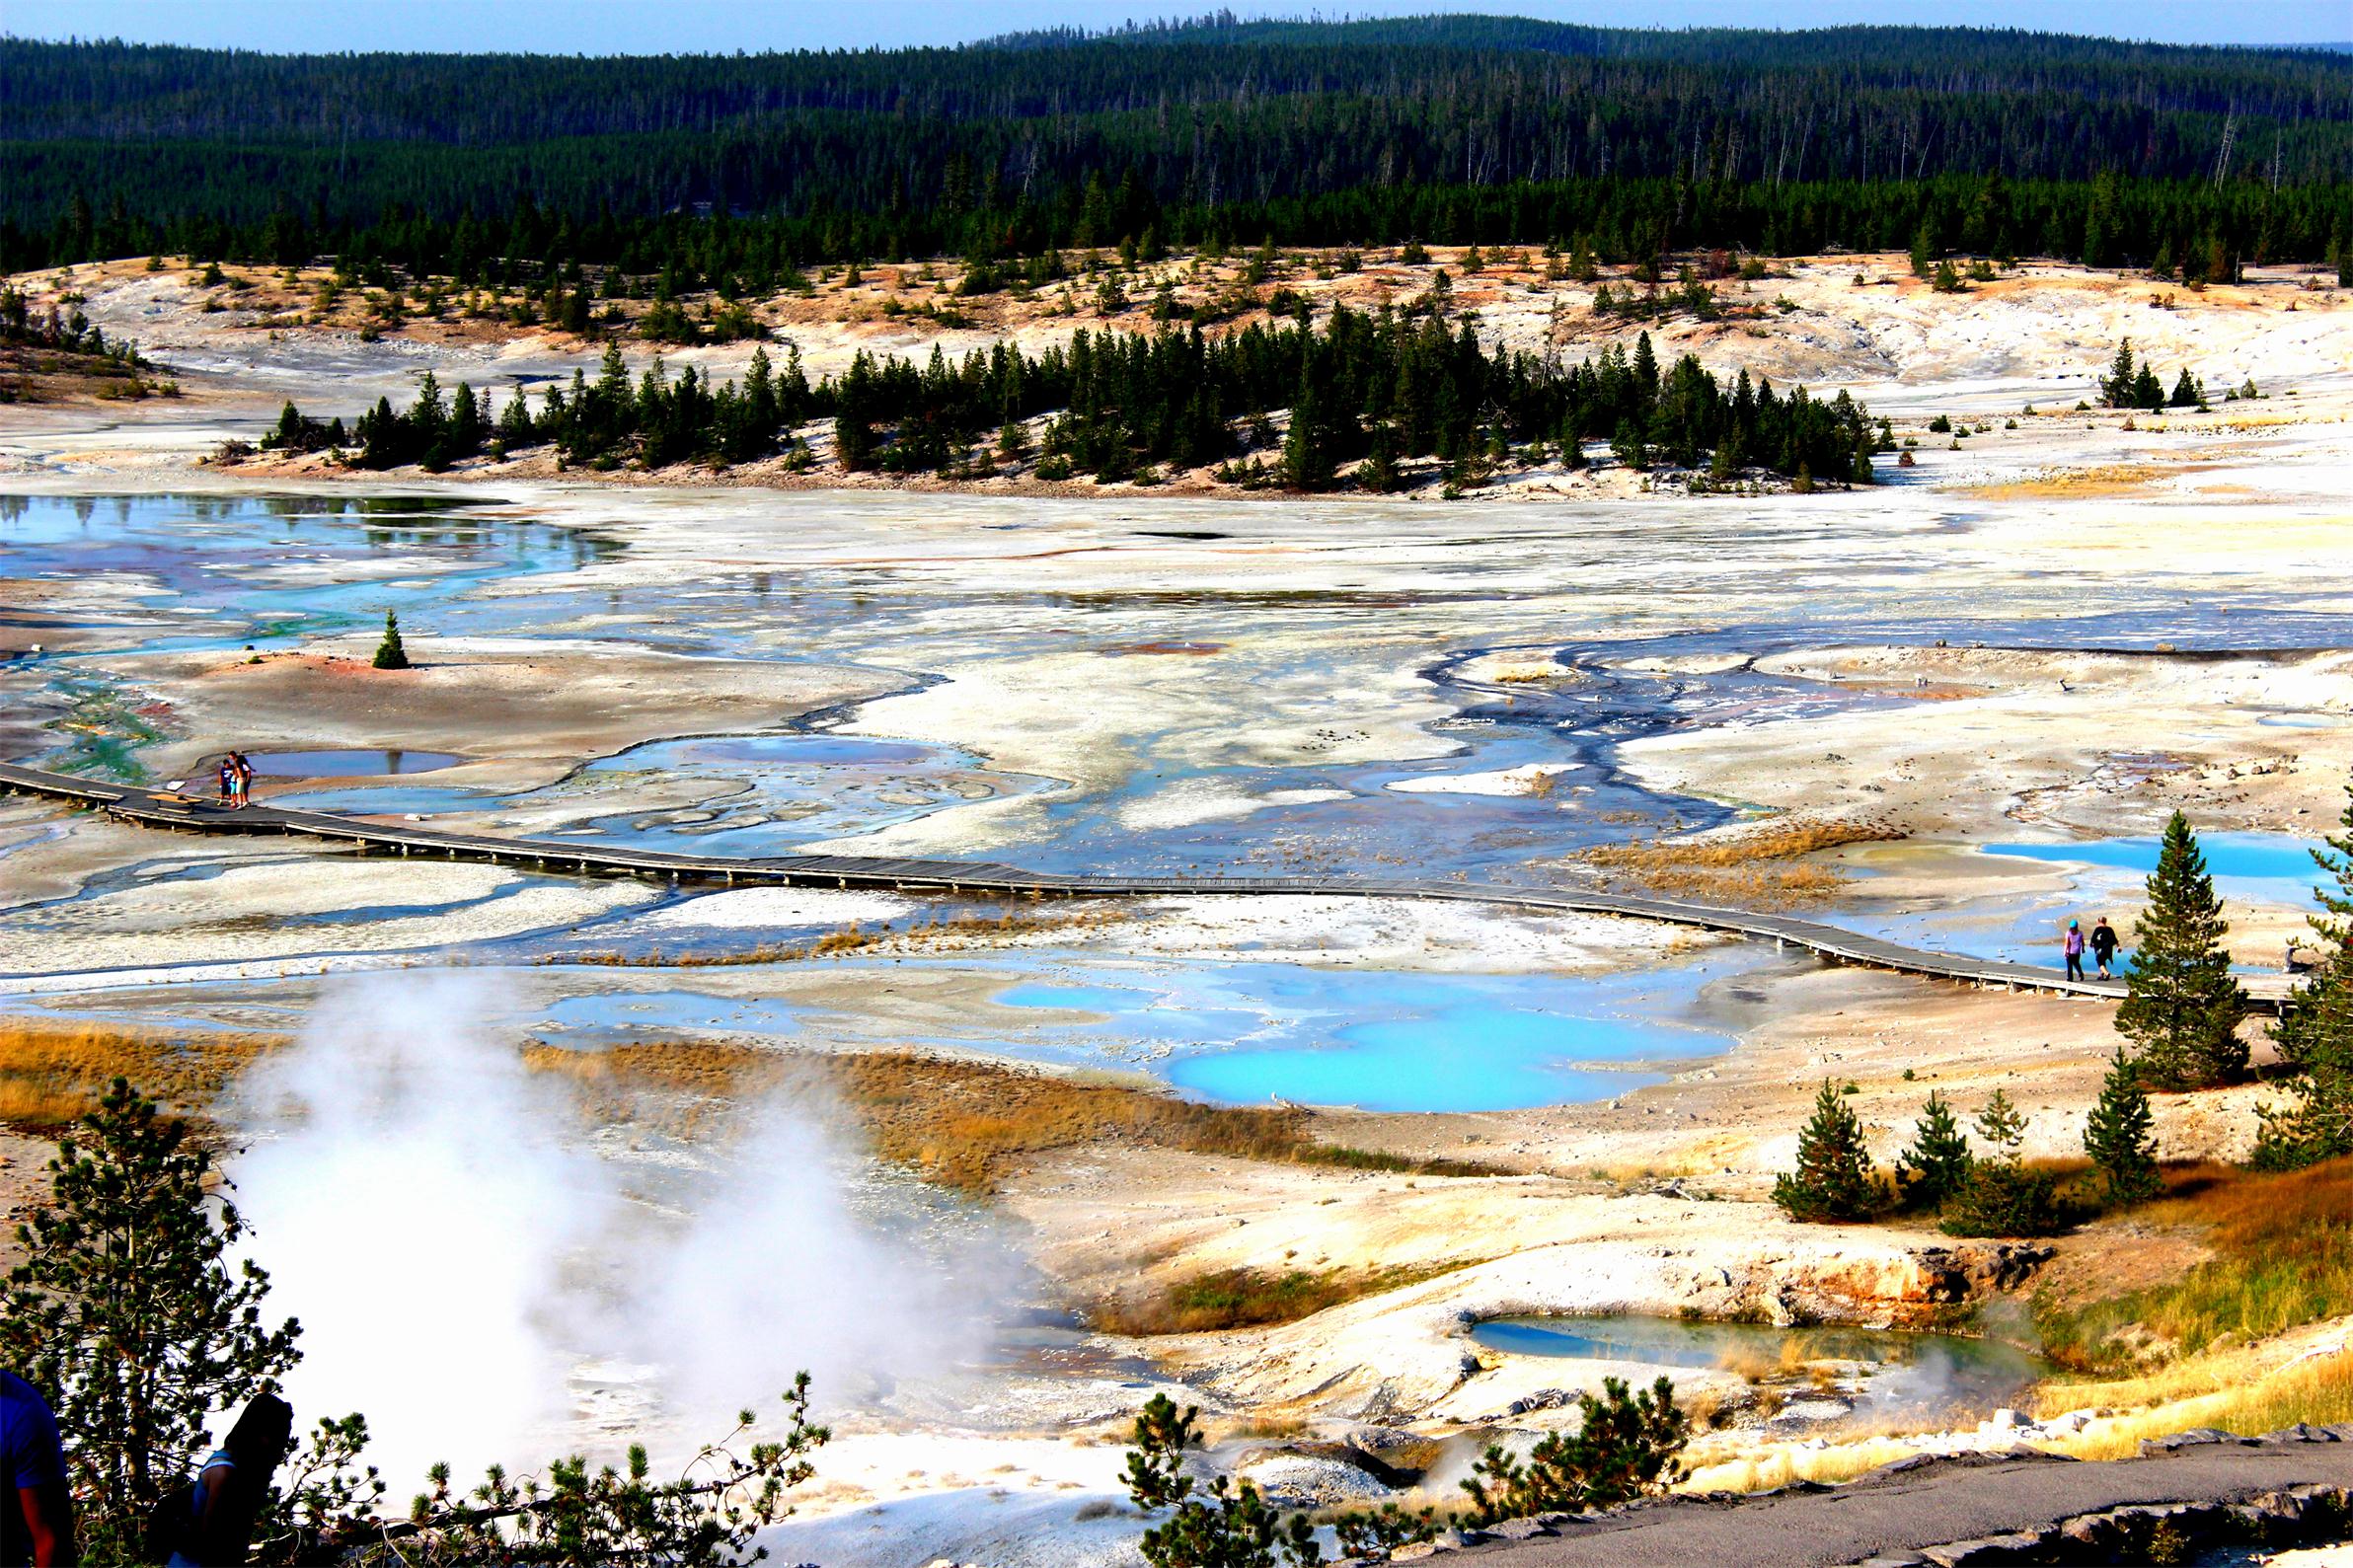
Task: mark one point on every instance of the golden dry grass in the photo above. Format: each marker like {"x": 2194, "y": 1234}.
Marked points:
{"x": 2318, "y": 1390}
{"x": 54, "y": 1071}
{"x": 2256, "y": 422}
{"x": 2283, "y": 1256}
{"x": 1748, "y": 868}
{"x": 2114, "y": 479}
{"x": 1220, "y": 1299}
{"x": 1783, "y": 1465}
{"x": 1795, "y": 1353}
{"x": 962, "y": 930}
{"x": 953, "y": 1122}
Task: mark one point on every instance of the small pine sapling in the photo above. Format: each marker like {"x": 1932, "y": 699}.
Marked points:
{"x": 1835, "y": 1179}
{"x": 1931, "y": 1173}
{"x": 391, "y": 654}
{"x": 2001, "y": 1196}
{"x": 2118, "y": 1137}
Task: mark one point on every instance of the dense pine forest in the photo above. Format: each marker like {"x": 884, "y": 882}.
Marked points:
{"x": 1442, "y": 129}
{"x": 1365, "y": 393}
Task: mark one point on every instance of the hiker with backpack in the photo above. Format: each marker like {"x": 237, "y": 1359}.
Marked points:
{"x": 2104, "y": 946}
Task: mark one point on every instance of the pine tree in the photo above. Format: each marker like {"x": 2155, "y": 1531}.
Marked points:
{"x": 1628, "y": 444}
{"x": 390, "y": 653}
{"x": 2182, "y": 1008}
{"x": 1835, "y": 1179}
{"x": 852, "y": 443}
{"x": 2001, "y": 1196}
{"x": 2314, "y": 1032}
{"x": 2002, "y": 1128}
{"x": 129, "y": 1313}
{"x": 2116, "y": 387}
{"x": 2118, "y": 1138}
{"x": 1933, "y": 1168}
{"x": 1645, "y": 368}
{"x": 1307, "y": 448}
{"x": 514, "y": 425}
{"x": 1378, "y": 473}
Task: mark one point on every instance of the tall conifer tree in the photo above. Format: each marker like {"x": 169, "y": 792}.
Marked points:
{"x": 2182, "y": 1006}
{"x": 2314, "y": 1032}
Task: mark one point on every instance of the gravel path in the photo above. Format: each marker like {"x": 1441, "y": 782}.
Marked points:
{"x": 1894, "y": 1516}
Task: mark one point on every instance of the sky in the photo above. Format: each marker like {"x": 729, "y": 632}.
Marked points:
{"x": 683, "y": 27}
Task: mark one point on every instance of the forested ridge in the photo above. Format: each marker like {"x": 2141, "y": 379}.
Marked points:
{"x": 1439, "y": 128}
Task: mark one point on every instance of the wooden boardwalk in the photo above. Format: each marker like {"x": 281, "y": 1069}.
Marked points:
{"x": 190, "y": 813}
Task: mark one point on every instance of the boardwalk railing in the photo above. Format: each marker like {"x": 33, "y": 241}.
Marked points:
{"x": 190, "y": 813}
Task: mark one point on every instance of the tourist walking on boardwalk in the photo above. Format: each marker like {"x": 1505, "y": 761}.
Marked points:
{"x": 228, "y": 780}
{"x": 2104, "y": 946}
{"x": 2075, "y": 950}
{"x": 245, "y": 780}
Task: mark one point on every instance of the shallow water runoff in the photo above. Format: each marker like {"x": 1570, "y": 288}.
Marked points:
{"x": 1884, "y": 1371}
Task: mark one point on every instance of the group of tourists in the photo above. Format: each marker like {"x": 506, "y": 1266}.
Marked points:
{"x": 2102, "y": 941}
{"x": 205, "y": 1520}
{"x": 236, "y": 782}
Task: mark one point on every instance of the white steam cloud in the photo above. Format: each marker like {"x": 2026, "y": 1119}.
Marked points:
{"x": 456, "y": 1252}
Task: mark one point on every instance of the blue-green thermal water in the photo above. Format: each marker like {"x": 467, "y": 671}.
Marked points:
{"x": 2270, "y": 868}
{"x": 1242, "y": 1031}
{"x": 2106, "y": 877}
{"x": 1392, "y": 1040}
{"x": 1904, "y": 1371}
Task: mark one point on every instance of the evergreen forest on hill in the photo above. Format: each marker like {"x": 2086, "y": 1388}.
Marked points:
{"x": 1453, "y": 129}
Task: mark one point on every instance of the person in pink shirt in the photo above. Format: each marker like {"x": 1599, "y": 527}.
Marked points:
{"x": 2075, "y": 950}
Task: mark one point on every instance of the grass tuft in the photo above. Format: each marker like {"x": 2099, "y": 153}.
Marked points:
{"x": 2283, "y": 1256}
{"x": 2318, "y": 1390}
{"x": 54, "y": 1071}
{"x": 1222, "y": 1299}
{"x": 1749, "y": 868}
{"x": 956, "y": 1122}
{"x": 962, "y": 930}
